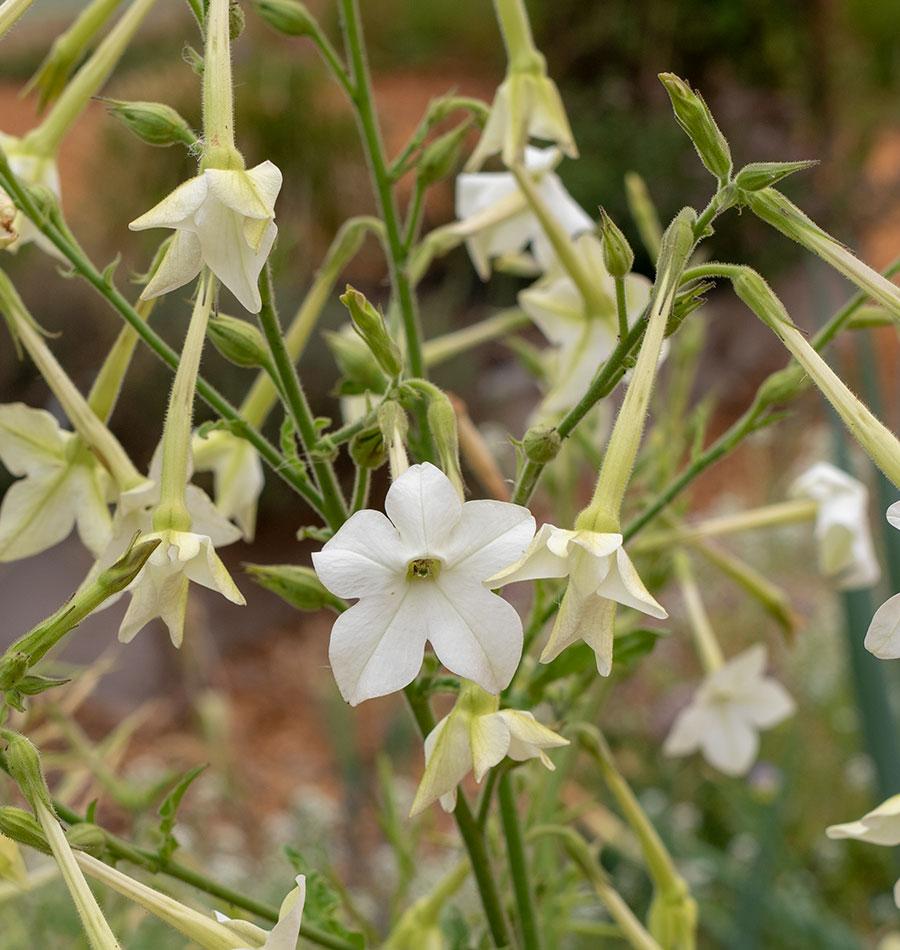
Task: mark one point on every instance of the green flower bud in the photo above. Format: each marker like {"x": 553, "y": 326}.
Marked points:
{"x": 686, "y": 302}
{"x": 759, "y": 175}
{"x": 441, "y": 156}
{"x": 87, "y": 837}
{"x": 782, "y": 386}
{"x": 541, "y": 444}
{"x": 355, "y": 361}
{"x": 694, "y": 117}
{"x": 394, "y": 427}
{"x": 236, "y": 20}
{"x": 445, "y": 432}
{"x": 287, "y": 16}
{"x": 677, "y": 243}
{"x": 238, "y": 341}
{"x": 35, "y": 684}
{"x": 760, "y": 298}
{"x": 617, "y": 253}
{"x": 370, "y": 325}
{"x": 153, "y": 122}
{"x": 367, "y": 448}
{"x": 119, "y": 575}
{"x": 299, "y": 586}
{"x": 21, "y": 826}
{"x": 24, "y": 765}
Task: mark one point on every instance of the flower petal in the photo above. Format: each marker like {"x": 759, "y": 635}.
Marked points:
{"x": 768, "y": 704}
{"x": 250, "y": 193}
{"x": 180, "y": 264}
{"x": 623, "y": 585}
{"x": 893, "y": 515}
{"x": 425, "y": 508}
{"x": 285, "y": 934}
{"x": 489, "y": 535}
{"x": 176, "y": 207}
{"x": 583, "y": 616}
{"x": 37, "y": 512}
{"x": 537, "y": 562}
{"x": 206, "y": 568}
{"x": 883, "y": 636}
{"x": 448, "y": 759}
{"x": 364, "y": 557}
{"x": 490, "y": 738}
{"x": 730, "y": 744}
{"x": 528, "y": 737}
{"x": 879, "y": 826}
{"x": 30, "y": 439}
{"x": 687, "y": 731}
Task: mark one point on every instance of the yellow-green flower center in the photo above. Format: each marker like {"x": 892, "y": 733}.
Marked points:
{"x": 422, "y": 567}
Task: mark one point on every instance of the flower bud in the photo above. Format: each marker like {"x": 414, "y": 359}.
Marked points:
{"x": 440, "y": 157}
{"x": 759, "y": 175}
{"x": 236, "y": 20}
{"x": 355, "y": 361}
{"x": 287, "y": 16}
{"x": 444, "y": 430}
{"x": 153, "y": 122}
{"x": 694, "y": 117}
{"x": 367, "y": 448}
{"x": 24, "y": 765}
{"x": 782, "y": 386}
{"x": 369, "y": 324}
{"x": 541, "y": 444}
{"x": 238, "y": 341}
{"x": 21, "y": 826}
{"x": 677, "y": 243}
{"x": 617, "y": 253}
{"x": 297, "y": 585}
{"x": 760, "y": 298}
{"x": 87, "y": 837}
{"x": 119, "y": 575}
{"x": 394, "y": 427}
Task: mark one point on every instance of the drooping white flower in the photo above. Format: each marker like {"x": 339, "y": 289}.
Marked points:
{"x": 727, "y": 712}
{"x": 63, "y": 486}
{"x": 419, "y": 573}
{"x": 33, "y": 170}
{"x": 883, "y": 635}
{"x": 497, "y": 222}
{"x": 582, "y": 339}
{"x": 224, "y": 219}
{"x": 475, "y": 737}
{"x": 600, "y": 574}
{"x": 879, "y": 826}
{"x": 237, "y": 473}
{"x": 846, "y": 552}
{"x": 285, "y": 934}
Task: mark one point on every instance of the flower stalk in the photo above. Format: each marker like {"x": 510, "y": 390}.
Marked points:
{"x": 705, "y": 640}
{"x": 219, "y": 150}
{"x": 11, "y": 11}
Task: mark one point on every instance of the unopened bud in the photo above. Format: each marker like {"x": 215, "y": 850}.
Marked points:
{"x": 541, "y": 444}
{"x": 22, "y": 826}
{"x": 617, "y": 253}
{"x": 287, "y": 16}
{"x": 694, "y": 117}
{"x": 236, "y": 20}
{"x": 87, "y": 837}
{"x": 444, "y": 430}
{"x": 24, "y": 765}
{"x": 238, "y": 341}
{"x": 367, "y": 448}
{"x": 782, "y": 386}
{"x": 370, "y": 325}
{"x": 119, "y": 575}
{"x": 153, "y": 122}
{"x": 758, "y": 175}
{"x": 356, "y": 363}
{"x": 394, "y": 427}
{"x": 677, "y": 243}
{"x": 297, "y": 585}
{"x": 440, "y": 157}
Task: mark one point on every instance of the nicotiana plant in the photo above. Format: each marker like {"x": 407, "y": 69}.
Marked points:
{"x": 418, "y": 582}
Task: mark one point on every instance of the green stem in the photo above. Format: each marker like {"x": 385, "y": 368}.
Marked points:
{"x": 516, "y": 29}
{"x": 10, "y": 13}
{"x": 440, "y": 349}
{"x": 518, "y": 863}
{"x": 335, "y": 510}
{"x": 621, "y": 307}
{"x": 360, "y": 489}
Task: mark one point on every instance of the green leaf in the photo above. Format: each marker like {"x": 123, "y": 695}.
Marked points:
{"x": 322, "y": 900}
{"x": 168, "y": 811}
{"x": 631, "y": 646}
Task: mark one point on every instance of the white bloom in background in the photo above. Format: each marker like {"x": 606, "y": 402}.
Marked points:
{"x": 161, "y": 587}
{"x": 582, "y": 340}
{"x": 883, "y": 635}
{"x": 879, "y": 826}
{"x": 727, "y": 712}
{"x": 237, "y": 474}
{"x": 62, "y": 486}
{"x": 846, "y": 552}
{"x": 224, "y": 219}
{"x": 285, "y": 934}
{"x": 494, "y": 215}
{"x": 420, "y": 574}
{"x": 32, "y": 170}
{"x": 600, "y": 574}
{"x": 475, "y": 737}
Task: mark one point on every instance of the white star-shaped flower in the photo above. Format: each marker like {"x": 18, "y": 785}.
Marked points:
{"x": 420, "y": 574}
{"x": 237, "y": 474}
{"x": 475, "y": 737}
{"x": 285, "y": 934}
{"x": 582, "y": 340}
{"x": 63, "y": 486}
{"x": 600, "y": 574}
{"x": 727, "y": 712}
{"x": 846, "y": 552}
{"x": 883, "y": 635}
{"x": 496, "y": 221}
{"x": 224, "y": 219}
{"x": 33, "y": 170}
{"x": 879, "y": 826}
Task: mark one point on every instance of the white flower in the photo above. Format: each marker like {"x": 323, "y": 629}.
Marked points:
{"x": 727, "y": 712}
{"x": 494, "y": 216}
{"x": 33, "y": 170}
{"x": 285, "y": 934}
{"x": 879, "y": 826}
{"x": 64, "y": 486}
{"x": 475, "y": 737}
{"x": 224, "y": 219}
{"x": 883, "y": 635}
{"x": 161, "y": 587}
{"x": 420, "y": 574}
{"x": 238, "y": 476}
{"x": 582, "y": 339}
{"x": 527, "y": 105}
{"x": 842, "y": 531}
{"x": 600, "y": 576}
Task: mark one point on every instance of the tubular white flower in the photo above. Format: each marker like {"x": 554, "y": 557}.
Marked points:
{"x": 285, "y": 934}
{"x": 846, "y": 551}
{"x": 63, "y": 486}
{"x": 879, "y": 826}
{"x": 475, "y": 737}
{"x": 420, "y": 575}
{"x": 883, "y": 635}
{"x": 600, "y": 574}
{"x": 582, "y": 338}
{"x": 496, "y": 221}
{"x": 222, "y": 218}
{"x": 727, "y": 712}
{"x": 237, "y": 473}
